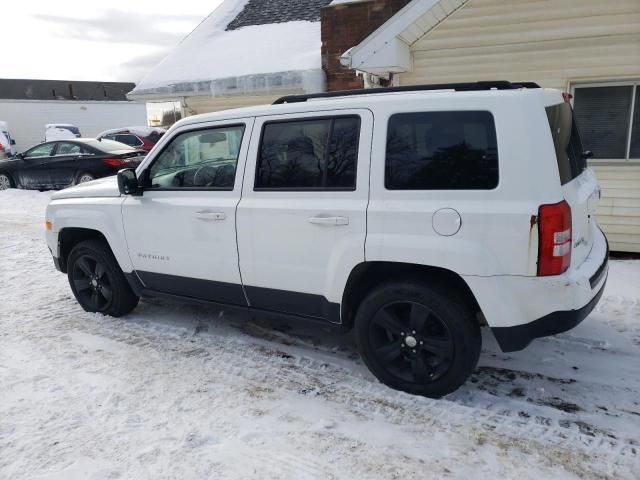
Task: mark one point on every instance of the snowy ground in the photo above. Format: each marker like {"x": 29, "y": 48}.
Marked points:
{"x": 181, "y": 391}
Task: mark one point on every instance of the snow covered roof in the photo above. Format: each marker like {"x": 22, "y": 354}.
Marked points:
{"x": 261, "y": 12}
{"x": 245, "y": 47}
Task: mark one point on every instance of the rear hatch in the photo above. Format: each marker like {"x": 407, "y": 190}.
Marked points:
{"x": 579, "y": 185}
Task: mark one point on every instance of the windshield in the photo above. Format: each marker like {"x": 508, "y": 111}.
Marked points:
{"x": 566, "y": 139}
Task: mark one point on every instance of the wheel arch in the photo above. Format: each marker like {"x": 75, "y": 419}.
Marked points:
{"x": 367, "y": 275}
{"x": 69, "y": 237}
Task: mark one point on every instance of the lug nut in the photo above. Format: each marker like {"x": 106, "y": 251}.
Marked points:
{"x": 413, "y": 351}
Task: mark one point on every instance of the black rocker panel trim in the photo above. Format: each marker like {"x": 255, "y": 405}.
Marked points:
{"x": 298, "y": 304}
{"x": 294, "y": 303}
{"x": 220, "y": 292}
{"x": 512, "y": 339}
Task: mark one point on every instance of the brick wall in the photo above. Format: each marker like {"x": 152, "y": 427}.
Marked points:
{"x": 345, "y": 25}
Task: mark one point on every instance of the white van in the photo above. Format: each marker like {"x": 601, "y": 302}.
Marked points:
{"x": 60, "y": 131}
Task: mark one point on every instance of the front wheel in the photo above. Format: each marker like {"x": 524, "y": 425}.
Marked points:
{"x": 97, "y": 280}
{"x": 417, "y": 338}
{"x": 5, "y": 181}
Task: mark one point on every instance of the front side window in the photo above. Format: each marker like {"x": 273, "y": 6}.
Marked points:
{"x": 608, "y": 120}
{"x": 199, "y": 159}
{"x": 441, "y": 151}
{"x": 44, "y": 150}
{"x": 309, "y": 154}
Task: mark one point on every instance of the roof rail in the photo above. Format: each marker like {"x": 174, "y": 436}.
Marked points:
{"x": 459, "y": 87}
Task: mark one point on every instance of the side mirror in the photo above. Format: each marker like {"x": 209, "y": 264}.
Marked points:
{"x": 128, "y": 182}
{"x": 20, "y": 156}
{"x": 587, "y": 154}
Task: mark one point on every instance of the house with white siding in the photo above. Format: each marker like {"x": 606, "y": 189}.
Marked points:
{"x": 589, "y": 48}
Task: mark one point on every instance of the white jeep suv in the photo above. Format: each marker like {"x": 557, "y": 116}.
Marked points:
{"x": 413, "y": 215}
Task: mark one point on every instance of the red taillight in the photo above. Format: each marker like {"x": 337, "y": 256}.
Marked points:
{"x": 554, "y": 234}
{"x": 114, "y": 162}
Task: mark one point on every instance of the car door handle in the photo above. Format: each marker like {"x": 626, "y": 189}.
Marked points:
{"x": 210, "y": 216}
{"x": 329, "y": 220}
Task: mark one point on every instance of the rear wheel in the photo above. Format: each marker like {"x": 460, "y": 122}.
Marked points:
{"x": 418, "y": 339}
{"x": 85, "y": 177}
{"x": 5, "y": 181}
{"x": 97, "y": 280}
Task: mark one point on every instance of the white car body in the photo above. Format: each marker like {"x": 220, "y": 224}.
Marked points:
{"x": 59, "y": 131}
{"x": 294, "y": 252}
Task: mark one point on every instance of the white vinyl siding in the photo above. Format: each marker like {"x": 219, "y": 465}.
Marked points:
{"x": 553, "y": 42}
{"x": 206, "y": 104}
{"x": 558, "y": 44}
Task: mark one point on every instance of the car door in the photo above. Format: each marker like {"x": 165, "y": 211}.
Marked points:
{"x": 31, "y": 172}
{"x": 302, "y": 216}
{"x": 181, "y": 233}
{"x": 64, "y": 163}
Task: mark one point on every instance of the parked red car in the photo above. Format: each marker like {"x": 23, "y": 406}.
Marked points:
{"x": 142, "y": 138}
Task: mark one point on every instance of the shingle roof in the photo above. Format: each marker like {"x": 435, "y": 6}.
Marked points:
{"x": 262, "y": 12}
{"x": 22, "y": 89}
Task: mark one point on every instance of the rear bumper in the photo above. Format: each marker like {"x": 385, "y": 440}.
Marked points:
{"x": 512, "y": 339}
{"x": 521, "y": 308}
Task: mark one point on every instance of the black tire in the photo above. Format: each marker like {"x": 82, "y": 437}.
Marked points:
{"x": 97, "y": 280}
{"x": 6, "y": 181}
{"x": 83, "y": 177}
{"x": 450, "y": 334}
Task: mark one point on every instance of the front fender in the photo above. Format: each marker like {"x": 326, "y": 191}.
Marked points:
{"x": 102, "y": 214}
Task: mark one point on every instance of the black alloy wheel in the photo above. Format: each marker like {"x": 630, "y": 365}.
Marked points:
{"x": 97, "y": 281}
{"x": 411, "y": 342}
{"x": 418, "y": 337}
{"x": 92, "y": 283}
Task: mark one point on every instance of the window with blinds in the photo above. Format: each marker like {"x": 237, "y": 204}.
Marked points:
{"x": 608, "y": 117}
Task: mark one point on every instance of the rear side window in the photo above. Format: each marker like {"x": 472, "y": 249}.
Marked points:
{"x": 441, "y": 151}
{"x": 566, "y": 140}
{"x": 313, "y": 154}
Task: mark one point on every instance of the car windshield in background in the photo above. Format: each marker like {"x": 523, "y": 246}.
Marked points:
{"x": 108, "y": 145}
{"x": 566, "y": 139}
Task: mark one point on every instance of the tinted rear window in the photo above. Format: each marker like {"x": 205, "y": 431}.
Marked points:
{"x": 441, "y": 151}
{"x": 566, "y": 140}
{"x": 319, "y": 154}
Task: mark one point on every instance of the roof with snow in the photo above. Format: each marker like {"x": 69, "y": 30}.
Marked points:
{"x": 27, "y": 89}
{"x": 262, "y": 12}
{"x": 245, "y": 47}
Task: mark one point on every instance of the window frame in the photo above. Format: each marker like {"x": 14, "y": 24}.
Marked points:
{"x": 309, "y": 189}
{"x": 495, "y": 129}
{"x": 145, "y": 173}
{"x": 635, "y": 84}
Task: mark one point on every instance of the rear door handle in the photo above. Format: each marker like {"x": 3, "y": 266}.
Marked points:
{"x": 329, "y": 220}
{"x": 210, "y": 216}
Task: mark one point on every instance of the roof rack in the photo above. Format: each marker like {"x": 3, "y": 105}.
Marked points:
{"x": 459, "y": 87}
